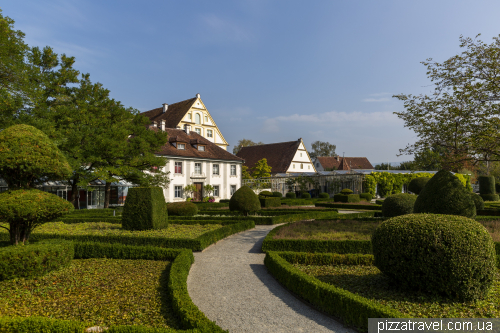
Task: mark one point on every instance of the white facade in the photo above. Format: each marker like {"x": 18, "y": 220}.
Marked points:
{"x": 225, "y": 175}
{"x": 301, "y": 161}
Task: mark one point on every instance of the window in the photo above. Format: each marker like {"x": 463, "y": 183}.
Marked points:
{"x": 300, "y": 154}
{"x": 198, "y": 130}
{"x": 178, "y": 192}
{"x": 233, "y": 189}
{"x": 178, "y": 167}
{"x": 197, "y": 118}
{"x": 215, "y": 169}
{"x": 209, "y": 134}
{"x": 201, "y": 148}
{"x": 294, "y": 166}
{"x": 216, "y": 191}
{"x": 181, "y": 146}
{"x": 189, "y": 116}
{"x": 233, "y": 170}
{"x": 301, "y": 166}
{"x": 206, "y": 119}
{"x": 197, "y": 168}
{"x": 309, "y": 167}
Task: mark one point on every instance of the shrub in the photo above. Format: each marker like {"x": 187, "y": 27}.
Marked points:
{"x": 35, "y": 259}
{"x": 26, "y": 209}
{"x": 398, "y": 204}
{"x": 324, "y": 195}
{"x": 182, "y": 209}
{"x": 305, "y": 195}
{"x": 291, "y": 195}
{"x": 417, "y": 185}
{"x": 366, "y": 196}
{"x": 449, "y": 255}
{"x": 478, "y": 201}
{"x": 340, "y": 198}
{"x": 486, "y": 185}
{"x": 277, "y": 194}
{"x": 490, "y": 197}
{"x": 270, "y": 202}
{"x": 346, "y": 191}
{"x": 346, "y": 198}
{"x": 145, "y": 208}
{"x": 266, "y": 194}
{"x": 497, "y": 187}
{"x": 445, "y": 194}
{"x": 244, "y": 200}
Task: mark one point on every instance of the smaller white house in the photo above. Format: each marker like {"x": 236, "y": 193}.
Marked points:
{"x": 192, "y": 159}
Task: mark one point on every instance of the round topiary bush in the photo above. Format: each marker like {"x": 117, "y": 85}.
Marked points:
{"x": 366, "y": 196}
{"x": 184, "y": 208}
{"x": 448, "y": 255}
{"x": 324, "y": 195}
{"x": 478, "y": 201}
{"x": 277, "y": 194}
{"x": 346, "y": 191}
{"x": 490, "y": 197}
{"x": 417, "y": 185}
{"x": 445, "y": 194}
{"x": 398, "y": 204}
{"x": 291, "y": 195}
{"x": 244, "y": 200}
{"x": 486, "y": 185}
{"x": 305, "y": 195}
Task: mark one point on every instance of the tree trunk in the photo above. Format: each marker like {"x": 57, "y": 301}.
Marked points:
{"x": 107, "y": 194}
{"x": 75, "y": 194}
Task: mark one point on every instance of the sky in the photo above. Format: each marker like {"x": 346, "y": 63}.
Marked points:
{"x": 269, "y": 71}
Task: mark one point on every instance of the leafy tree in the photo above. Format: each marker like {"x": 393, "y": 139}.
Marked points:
{"x": 320, "y": 148}
{"x": 430, "y": 159}
{"x": 191, "y": 188}
{"x": 208, "y": 189}
{"x": 261, "y": 169}
{"x": 462, "y": 116}
{"x": 244, "y": 172}
{"x": 245, "y": 143}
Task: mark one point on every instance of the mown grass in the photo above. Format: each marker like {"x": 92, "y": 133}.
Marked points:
{"x": 113, "y": 229}
{"x": 100, "y": 292}
{"x": 369, "y": 282}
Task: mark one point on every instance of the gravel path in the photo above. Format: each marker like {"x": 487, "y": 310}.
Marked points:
{"x": 231, "y": 285}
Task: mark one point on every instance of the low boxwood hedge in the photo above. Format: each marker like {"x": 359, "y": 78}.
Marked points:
{"x": 270, "y": 202}
{"x": 291, "y": 195}
{"x": 346, "y": 198}
{"x": 211, "y": 205}
{"x": 348, "y": 206}
{"x": 35, "y": 259}
{"x": 297, "y": 202}
{"x": 109, "y": 219}
{"x": 490, "y": 197}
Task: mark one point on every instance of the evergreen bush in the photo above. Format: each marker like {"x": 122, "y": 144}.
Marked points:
{"x": 277, "y": 194}
{"x": 324, "y": 195}
{"x": 417, "y": 185}
{"x": 291, "y": 195}
{"x": 478, "y": 201}
{"x": 144, "y": 209}
{"x": 266, "y": 194}
{"x": 244, "y": 200}
{"x": 346, "y": 191}
{"x": 267, "y": 202}
{"x": 305, "y": 195}
{"x": 442, "y": 254}
{"x": 445, "y": 194}
{"x": 366, "y": 196}
{"x": 398, "y": 204}
{"x": 490, "y": 197}
{"x": 486, "y": 185}
{"x": 184, "y": 208}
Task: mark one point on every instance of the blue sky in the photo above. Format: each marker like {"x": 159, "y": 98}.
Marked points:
{"x": 269, "y": 71}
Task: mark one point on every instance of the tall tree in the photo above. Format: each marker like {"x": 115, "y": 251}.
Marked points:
{"x": 261, "y": 169}
{"x": 320, "y": 148}
{"x": 462, "y": 116}
{"x": 245, "y": 143}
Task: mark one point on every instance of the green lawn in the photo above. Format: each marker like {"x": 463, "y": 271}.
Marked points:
{"x": 100, "y": 292}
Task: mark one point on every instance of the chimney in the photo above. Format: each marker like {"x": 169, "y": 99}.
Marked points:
{"x": 187, "y": 128}
{"x": 155, "y": 124}
{"x": 165, "y": 107}
{"x": 162, "y": 124}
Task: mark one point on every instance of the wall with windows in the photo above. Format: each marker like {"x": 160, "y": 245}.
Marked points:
{"x": 301, "y": 161}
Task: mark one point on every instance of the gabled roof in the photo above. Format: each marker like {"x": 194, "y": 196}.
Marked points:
{"x": 278, "y": 155}
{"x": 334, "y": 162}
{"x": 212, "y": 151}
{"x": 173, "y": 116}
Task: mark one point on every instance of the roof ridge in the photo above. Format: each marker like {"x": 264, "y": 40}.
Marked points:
{"x": 268, "y": 144}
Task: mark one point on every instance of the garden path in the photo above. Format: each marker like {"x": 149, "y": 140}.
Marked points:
{"x": 230, "y": 284}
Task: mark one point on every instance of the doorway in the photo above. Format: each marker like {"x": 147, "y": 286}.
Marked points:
{"x": 198, "y": 195}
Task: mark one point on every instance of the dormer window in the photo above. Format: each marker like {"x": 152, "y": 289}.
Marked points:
{"x": 201, "y": 148}
{"x": 181, "y": 146}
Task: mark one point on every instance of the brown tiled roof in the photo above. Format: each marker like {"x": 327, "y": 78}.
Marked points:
{"x": 211, "y": 149}
{"x": 175, "y": 113}
{"x": 352, "y": 162}
{"x": 278, "y": 155}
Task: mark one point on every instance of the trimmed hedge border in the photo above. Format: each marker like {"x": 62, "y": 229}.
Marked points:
{"x": 109, "y": 219}
{"x": 352, "y": 309}
{"x": 270, "y": 202}
{"x": 210, "y": 205}
{"x": 269, "y": 212}
{"x": 348, "y": 206}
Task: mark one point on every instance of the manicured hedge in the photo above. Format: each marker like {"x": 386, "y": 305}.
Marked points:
{"x": 288, "y": 217}
{"x": 297, "y": 202}
{"x": 183, "y": 208}
{"x": 488, "y": 212}
{"x": 36, "y": 259}
{"x": 305, "y": 195}
{"x": 350, "y": 308}
{"x": 486, "y": 184}
{"x": 270, "y": 202}
{"x": 366, "y": 196}
{"x": 277, "y": 194}
{"x": 211, "y": 205}
{"x": 322, "y": 259}
{"x": 344, "y": 206}
{"x": 109, "y": 219}
{"x": 145, "y": 208}
{"x": 490, "y": 197}
{"x": 398, "y": 204}
{"x": 291, "y": 195}
{"x": 346, "y": 198}
{"x": 271, "y": 212}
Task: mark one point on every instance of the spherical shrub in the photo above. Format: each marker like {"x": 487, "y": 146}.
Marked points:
{"x": 453, "y": 256}
{"x": 346, "y": 191}
{"x": 366, "y": 196}
{"x": 291, "y": 195}
{"x": 266, "y": 194}
{"x": 277, "y": 194}
{"x": 305, "y": 195}
{"x": 324, "y": 195}
{"x": 398, "y": 204}
{"x": 184, "y": 208}
{"x": 490, "y": 197}
{"x": 478, "y": 201}
{"x": 417, "y": 185}
{"x": 244, "y": 200}
{"x": 445, "y": 194}
{"x": 486, "y": 185}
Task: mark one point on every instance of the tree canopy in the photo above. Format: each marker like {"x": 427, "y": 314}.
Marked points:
{"x": 320, "y": 148}
{"x": 461, "y": 118}
{"x": 245, "y": 143}
{"x": 261, "y": 169}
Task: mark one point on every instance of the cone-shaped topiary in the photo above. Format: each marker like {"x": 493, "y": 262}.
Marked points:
{"x": 441, "y": 254}
{"x": 144, "y": 209}
{"x": 244, "y": 200}
{"x": 398, "y": 204}
{"x": 445, "y": 194}
{"x": 417, "y": 185}
{"x": 486, "y": 185}
{"x": 478, "y": 201}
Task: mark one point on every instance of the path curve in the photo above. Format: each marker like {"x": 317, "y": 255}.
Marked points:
{"x": 230, "y": 284}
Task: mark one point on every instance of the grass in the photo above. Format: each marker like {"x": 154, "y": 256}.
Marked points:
{"x": 113, "y": 229}
{"x": 100, "y": 292}
{"x": 369, "y": 282}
